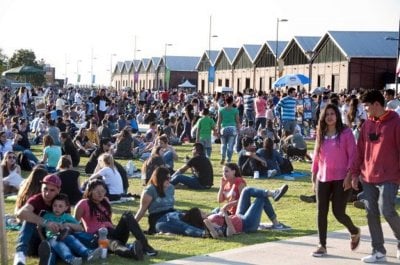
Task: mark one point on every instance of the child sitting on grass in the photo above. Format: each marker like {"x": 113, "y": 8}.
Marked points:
{"x": 64, "y": 243}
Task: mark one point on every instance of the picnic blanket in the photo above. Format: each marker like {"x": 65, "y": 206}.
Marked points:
{"x": 292, "y": 176}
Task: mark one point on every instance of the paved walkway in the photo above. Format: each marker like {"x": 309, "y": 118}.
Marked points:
{"x": 296, "y": 251}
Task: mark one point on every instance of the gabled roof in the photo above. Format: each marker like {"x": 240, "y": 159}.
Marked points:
{"x": 206, "y": 55}
{"x": 252, "y": 50}
{"x": 145, "y": 63}
{"x": 305, "y": 43}
{"x": 155, "y": 61}
{"x": 212, "y": 56}
{"x": 230, "y": 54}
{"x": 128, "y": 65}
{"x": 356, "y": 44}
{"x": 272, "y": 46}
{"x": 119, "y": 67}
{"x": 181, "y": 63}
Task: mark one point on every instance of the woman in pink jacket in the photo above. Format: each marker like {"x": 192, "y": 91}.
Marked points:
{"x": 334, "y": 153}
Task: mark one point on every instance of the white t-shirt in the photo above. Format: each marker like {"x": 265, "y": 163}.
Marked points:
{"x": 113, "y": 180}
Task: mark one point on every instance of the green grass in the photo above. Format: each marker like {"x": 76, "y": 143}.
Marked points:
{"x": 290, "y": 210}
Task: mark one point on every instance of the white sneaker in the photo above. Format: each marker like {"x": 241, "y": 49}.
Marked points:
{"x": 272, "y": 173}
{"x": 398, "y": 254}
{"x": 19, "y": 258}
{"x": 374, "y": 257}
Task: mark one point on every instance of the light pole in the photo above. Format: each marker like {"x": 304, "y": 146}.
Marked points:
{"x": 66, "y": 71}
{"x": 91, "y": 68}
{"x": 396, "y": 77}
{"x": 78, "y": 76}
{"x": 276, "y": 44}
{"x": 310, "y": 55}
{"x": 111, "y": 67}
{"x": 165, "y": 65}
{"x": 209, "y": 56}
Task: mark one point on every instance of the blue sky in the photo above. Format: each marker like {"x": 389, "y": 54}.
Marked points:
{"x": 64, "y": 32}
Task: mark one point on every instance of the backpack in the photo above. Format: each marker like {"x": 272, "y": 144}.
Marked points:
{"x": 23, "y": 162}
{"x": 286, "y": 166}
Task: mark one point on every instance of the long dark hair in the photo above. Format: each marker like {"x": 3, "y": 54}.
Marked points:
{"x": 92, "y": 206}
{"x": 234, "y": 166}
{"x": 268, "y": 145}
{"x": 31, "y": 186}
{"x": 193, "y": 217}
{"x": 322, "y": 128}
{"x": 159, "y": 176}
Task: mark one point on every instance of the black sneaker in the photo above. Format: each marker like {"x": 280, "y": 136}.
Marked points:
{"x": 150, "y": 251}
{"x": 137, "y": 250}
{"x": 277, "y": 194}
{"x": 359, "y": 204}
{"x": 44, "y": 253}
{"x": 308, "y": 199}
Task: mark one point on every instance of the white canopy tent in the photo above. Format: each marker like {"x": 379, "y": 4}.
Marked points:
{"x": 224, "y": 89}
{"x": 186, "y": 84}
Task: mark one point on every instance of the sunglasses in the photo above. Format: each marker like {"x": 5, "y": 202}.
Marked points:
{"x": 12, "y": 157}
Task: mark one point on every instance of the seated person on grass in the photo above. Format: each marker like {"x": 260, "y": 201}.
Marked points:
{"x": 202, "y": 169}
{"x": 248, "y": 160}
{"x": 248, "y": 214}
{"x": 64, "y": 243}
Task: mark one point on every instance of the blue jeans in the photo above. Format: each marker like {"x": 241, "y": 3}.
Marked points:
{"x": 67, "y": 247}
{"x": 26, "y": 152}
{"x": 251, "y": 212}
{"x": 171, "y": 223}
{"x": 28, "y": 241}
{"x": 168, "y": 158}
{"x": 187, "y": 126}
{"x": 192, "y": 182}
{"x": 248, "y": 116}
{"x": 289, "y": 125}
{"x": 227, "y": 144}
{"x": 381, "y": 199}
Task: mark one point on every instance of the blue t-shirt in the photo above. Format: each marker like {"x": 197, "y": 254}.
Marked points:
{"x": 53, "y": 153}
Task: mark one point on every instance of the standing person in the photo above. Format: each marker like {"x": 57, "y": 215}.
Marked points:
{"x": 202, "y": 170}
{"x": 260, "y": 106}
{"x": 102, "y": 102}
{"x": 334, "y": 155}
{"x": 95, "y": 212}
{"x": 286, "y": 110}
{"x": 205, "y": 127}
{"x": 228, "y": 125}
{"x": 187, "y": 119}
{"x": 248, "y": 106}
{"x": 377, "y": 164}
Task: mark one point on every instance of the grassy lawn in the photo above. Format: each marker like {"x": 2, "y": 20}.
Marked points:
{"x": 290, "y": 210}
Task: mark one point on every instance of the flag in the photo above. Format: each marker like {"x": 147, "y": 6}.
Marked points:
{"x": 167, "y": 76}
{"x": 93, "y": 79}
{"x": 136, "y": 76}
{"x": 398, "y": 67}
{"x": 78, "y": 79}
{"x": 211, "y": 74}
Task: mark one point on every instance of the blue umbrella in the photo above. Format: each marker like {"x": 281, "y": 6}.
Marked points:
{"x": 292, "y": 80}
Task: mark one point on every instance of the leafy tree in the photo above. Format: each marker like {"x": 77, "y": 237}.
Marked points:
{"x": 3, "y": 61}
{"x": 27, "y": 57}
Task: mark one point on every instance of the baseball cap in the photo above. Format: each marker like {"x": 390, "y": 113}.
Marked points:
{"x": 52, "y": 180}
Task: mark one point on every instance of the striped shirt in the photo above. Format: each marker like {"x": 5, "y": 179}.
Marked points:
{"x": 286, "y": 109}
{"x": 248, "y": 102}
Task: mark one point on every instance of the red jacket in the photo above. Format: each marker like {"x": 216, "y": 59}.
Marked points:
{"x": 378, "y": 158}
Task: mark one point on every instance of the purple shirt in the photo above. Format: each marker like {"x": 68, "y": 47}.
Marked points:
{"x": 335, "y": 158}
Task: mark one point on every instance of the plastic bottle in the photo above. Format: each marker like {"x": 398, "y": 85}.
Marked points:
{"x": 103, "y": 242}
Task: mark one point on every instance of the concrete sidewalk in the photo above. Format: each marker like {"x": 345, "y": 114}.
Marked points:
{"x": 298, "y": 251}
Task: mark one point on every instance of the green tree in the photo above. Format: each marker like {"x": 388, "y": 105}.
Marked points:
{"x": 3, "y": 61}
{"x": 27, "y": 57}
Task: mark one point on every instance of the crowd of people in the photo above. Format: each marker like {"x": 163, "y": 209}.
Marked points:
{"x": 351, "y": 132}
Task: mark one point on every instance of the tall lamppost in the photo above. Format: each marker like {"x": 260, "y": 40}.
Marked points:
{"x": 396, "y": 78}
{"x": 277, "y": 40}
{"x": 78, "y": 76}
{"x": 209, "y": 56}
{"x": 165, "y": 64}
{"x": 91, "y": 68}
{"x": 310, "y": 57}
{"x": 111, "y": 67}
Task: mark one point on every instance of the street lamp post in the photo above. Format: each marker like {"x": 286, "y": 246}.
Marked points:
{"x": 78, "y": 76}
{"x": 276, "y": 44}
{"x": 209, "y": 56}
{"x": 310, "y": 55}
{"x": 91, "y": 68}
{"x": 165, "y": 65}
{"x": 396, "y": 78}
{"x": 111, "y": 67}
